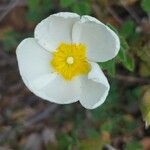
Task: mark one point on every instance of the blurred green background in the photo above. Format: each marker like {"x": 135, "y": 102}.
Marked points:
{"x": 121, "y": 123}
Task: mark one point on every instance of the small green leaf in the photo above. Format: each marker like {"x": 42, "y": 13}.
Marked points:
{"x": 145, "y": 106}
{"x": 146, "y": 5}
{"x": 124, "y": 44}
{"x": 128, "y": 29}
{"x": 130, "y": 63}
{"x": 122, "y": 55}
{"x": 110, "y": 66}
{"x": 112, "y": 28}
{"x": 64, "y": 141}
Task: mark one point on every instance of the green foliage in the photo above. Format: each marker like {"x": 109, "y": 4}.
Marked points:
{"x": 145, "y": 106}
{"x": 119, "y": 124}
{"x": 129, "y": 63}
{"x": 112, "y": 105}
{"x": 37, "y": 9}
{"x": 67, "y": 142}
{"x": 128, "y": 29}
{"x": 81, "y": 7}
{"x": 66, "y": 3}
{"x": 109, "y": 66}
{"x": 143, "y": 54}
{"x": 92, "y": 133}
{"x": 111, "y": 115}
{"x": 146, "y": 5}
{"x": 123, "y": 56}
{"x": 10, "y": 41}
{"x": 134, "y": 145}
{"x": 64, "y": 142}
{"x": 92, "y": 144}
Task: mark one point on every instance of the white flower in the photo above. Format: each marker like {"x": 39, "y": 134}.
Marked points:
{"x": 59, "y": 63}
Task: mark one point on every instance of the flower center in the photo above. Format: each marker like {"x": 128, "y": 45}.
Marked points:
{"x": 69, "y": 60}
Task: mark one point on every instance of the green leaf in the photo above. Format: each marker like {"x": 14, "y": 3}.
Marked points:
{"x": 124, "y": 44}
{"x": 64, "y": 141}
{"x": 145, "y": 4}
{"x": 123, "y": 56}
{"x": 129, "y": 64}
{"x": 66, "y": 3}
{"x": 113, "y": 28}
{"x": 145, "y": 106}
{"x": 128, "y": 29}
{"x": 110, "y": 66}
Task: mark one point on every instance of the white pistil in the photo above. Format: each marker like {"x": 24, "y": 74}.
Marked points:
{"x": 70, "y": 60}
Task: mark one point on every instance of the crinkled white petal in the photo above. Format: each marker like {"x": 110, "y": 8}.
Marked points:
{"x": 34, "y": 64}
{"x": 94, "y": 88}
{"x": 102, "y": 43}
{"x": 61, "y": 91}
{"x": 55, "y": 29}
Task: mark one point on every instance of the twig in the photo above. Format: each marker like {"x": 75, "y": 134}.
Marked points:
{"x": 131, "y": 79}
{"x": 132, "y": 13}
{"x": 12, "y": 4}
{"x": 41, "y": 115}
{"x": 96, "y": 10}
{"x": 20, "y": 129}
{"x": 113, "y": 13}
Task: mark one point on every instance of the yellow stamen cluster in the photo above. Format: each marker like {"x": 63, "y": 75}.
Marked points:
{"x": 70, "y": 60}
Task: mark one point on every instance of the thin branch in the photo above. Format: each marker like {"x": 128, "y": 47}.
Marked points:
{"x": 96, "y": 10}
{"x": 40, "y": 116}
{"x": 132, "y": 79}
{"x": 113, "y": 13}
{"x": 20, "y": 129}
{"x": 7, "y": 8}
{"x": 133, "y": 14}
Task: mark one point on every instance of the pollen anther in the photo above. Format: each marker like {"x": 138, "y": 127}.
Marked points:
{"x": 70, "y": 60}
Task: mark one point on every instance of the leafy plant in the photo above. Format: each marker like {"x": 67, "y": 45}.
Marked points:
{"x": 37, "y": 9}
{"x": 134, "y": 145}
{"x": 146, "y": 5}
{"x": 81, "y": 7}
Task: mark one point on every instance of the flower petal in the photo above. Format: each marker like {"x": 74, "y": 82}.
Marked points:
{"x": 94, "y": 88}
{"x": 102, "y": 43}
{"x": 61, "y": 91}
{"x": 55, "y": 29}
{"x": 33, "y": 63}
{"x": 40, "y": 78}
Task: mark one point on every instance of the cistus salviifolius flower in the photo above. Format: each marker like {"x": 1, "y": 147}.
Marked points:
{"x": 59, "y": 63}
